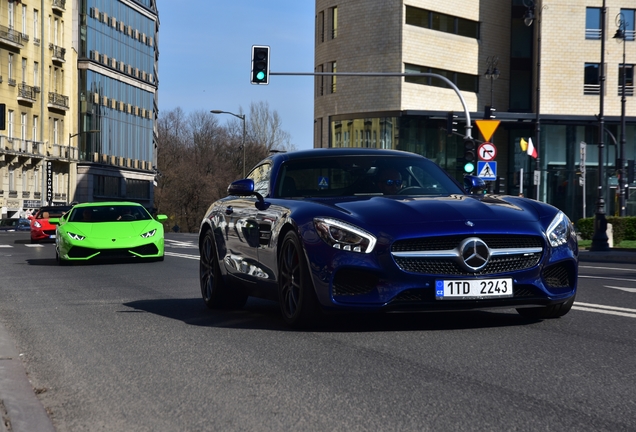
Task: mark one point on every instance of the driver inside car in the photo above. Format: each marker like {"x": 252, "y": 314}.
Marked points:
{"x": 389, "y": 181}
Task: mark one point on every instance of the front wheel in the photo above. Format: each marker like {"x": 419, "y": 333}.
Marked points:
{"x": 296, "y": 295}
{"x": 548, "y": 312}
{"x": 215, "y": 293}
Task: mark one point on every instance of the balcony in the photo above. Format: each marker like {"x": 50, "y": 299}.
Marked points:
{"x": 59, "y": 5}
{"x": 58, "y": 53}
{"x": 58, "y": 101}
{"x": 26, "y": 93}
{"x": 10, "y": 37}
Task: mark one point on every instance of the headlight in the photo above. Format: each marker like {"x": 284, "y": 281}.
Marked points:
{"x": 76, "y": 236}
{"x": 559, "y": 230}
{"x": 341, "y": 235}
{"x": 149, "y": 234}
{"x": 37, "y": 224}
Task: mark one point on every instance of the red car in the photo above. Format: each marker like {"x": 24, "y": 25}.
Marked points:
{"x": 41, "y": 229}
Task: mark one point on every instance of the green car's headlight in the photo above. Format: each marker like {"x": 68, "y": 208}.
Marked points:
{"x": 149, "y": 234}
{"x": 75, "y": 236}
{"x": 559, "y": 230}
{"x": 341, "y": 235}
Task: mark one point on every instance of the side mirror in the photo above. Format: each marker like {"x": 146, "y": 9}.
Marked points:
{"x": 54, "y": 221}
{"x": 474, "y": 185}
{"x": 161, "y": 218}
{"x": 244, "y": 187}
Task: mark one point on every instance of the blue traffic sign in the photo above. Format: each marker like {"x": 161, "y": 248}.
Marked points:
{"x": 487, "y": 170}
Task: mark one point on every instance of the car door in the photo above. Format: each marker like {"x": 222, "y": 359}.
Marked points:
{"x": 243, "y": 230}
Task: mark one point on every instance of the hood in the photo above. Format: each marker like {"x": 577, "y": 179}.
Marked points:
{"x": 378, "y": 210}
{"x": 110, "y": 229}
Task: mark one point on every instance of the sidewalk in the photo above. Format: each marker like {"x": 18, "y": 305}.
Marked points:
{"x": 20, "y": 409}
{"x": 614, "y": 255}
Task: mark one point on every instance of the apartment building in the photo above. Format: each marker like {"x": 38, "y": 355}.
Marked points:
{"x": 37, "y": 81}
{"x": 543, "y": 71}
{"x": 117, "y": 80}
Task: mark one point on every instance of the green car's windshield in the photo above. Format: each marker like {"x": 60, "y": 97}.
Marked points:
{"x": 117, "y": 213}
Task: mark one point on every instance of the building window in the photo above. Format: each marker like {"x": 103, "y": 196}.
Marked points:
{"x": 320, "y": 82}
{"x": 24, "y": 19}
{"x": 35, "y": 129}
{"x": 11, "y": 180}
{"x": 320, "y": 27}
{"x": 36, "y": 74}
{"x": 36, "y": 24}
{"x": 10, "y": 65}
{"x": 25, "y": 186}
{"x": 592, "y": 83}
{"x": 464, "y": 82}
{"x": 442, "y": 22}
{"x": 106, "y": 186}
{"x": 36, "y": 180}
{"x": 138, "y": 189}
{"x": 24, "y": 70}
{"x": 629, "y": 16}
{"x": 334, "y": 22}
{"x": 333, "y": 78}
{"x": 11, "y": 12}
{"x": 592, "y": 23}
{"x": 56, "y": 130}
{"x": 629, "y": 80}
{"x": 23, "y": 126}
{"x": 10, "y": 124}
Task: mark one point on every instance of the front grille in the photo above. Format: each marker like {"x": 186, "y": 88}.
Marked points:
{"x": 83, "y": 252}
{"x": 349, "y": 282}
{"x": 450, "y": 265}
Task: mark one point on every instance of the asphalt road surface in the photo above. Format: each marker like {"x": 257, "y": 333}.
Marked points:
{"x": 132, "y": 347}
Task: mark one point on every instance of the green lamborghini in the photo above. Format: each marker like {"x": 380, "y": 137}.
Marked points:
{"x": 108, "y": 231}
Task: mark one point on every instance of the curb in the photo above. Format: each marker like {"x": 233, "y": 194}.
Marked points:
{"x": 619, "y": 256}
{"x": 20, "y": 409}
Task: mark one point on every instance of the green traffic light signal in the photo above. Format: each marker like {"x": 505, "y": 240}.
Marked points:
{"x": 260, "y": 65}
{"x": 469, "y": 167}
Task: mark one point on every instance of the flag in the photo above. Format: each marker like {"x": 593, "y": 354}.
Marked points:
{"x": 524, "y": 145}
{"x": 531, "y": 150}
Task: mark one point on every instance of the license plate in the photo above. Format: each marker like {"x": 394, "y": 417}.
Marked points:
{"x": 473, "y": 289}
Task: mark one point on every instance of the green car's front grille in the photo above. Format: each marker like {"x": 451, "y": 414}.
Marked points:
{"x": 143, "y": 250}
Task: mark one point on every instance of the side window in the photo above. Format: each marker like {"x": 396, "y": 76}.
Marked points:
{"x": 261, "y": 176}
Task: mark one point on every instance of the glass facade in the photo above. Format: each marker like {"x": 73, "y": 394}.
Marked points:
{"x": 117, "y": 115}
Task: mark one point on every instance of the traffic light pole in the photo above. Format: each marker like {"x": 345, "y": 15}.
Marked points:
{"x": 468, "y": 126}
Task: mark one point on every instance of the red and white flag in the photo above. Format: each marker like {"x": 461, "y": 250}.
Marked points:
{"x": 531, "y": 150}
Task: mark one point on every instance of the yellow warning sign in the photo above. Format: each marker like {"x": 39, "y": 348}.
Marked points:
{"x": 487, "y": 127}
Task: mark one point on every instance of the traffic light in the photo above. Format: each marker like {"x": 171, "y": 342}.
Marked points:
{"x": 470, "y": 148}
{"x": 3, "y": 116}
{"x": 489, "y": 112}
{"x": 631, "y": 166}
{"x": 451, "y": 123}
{"x": 260, "y": 65}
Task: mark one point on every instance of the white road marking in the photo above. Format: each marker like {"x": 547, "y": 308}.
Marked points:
{"x": 610, "y": 310}
{"x": 606, "y": 268}
{"x": 608, "y": 278}
{"x": 630, "y": 290}
{"x": 174, "y": 254}
{"x": 180, "y": 244}
{"x": 34, "y": 245}
{"x": 5, "y": 246}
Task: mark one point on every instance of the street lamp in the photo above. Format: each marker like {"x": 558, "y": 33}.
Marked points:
{"x": 492, "y": 73}
{"x": 242, "y": 117}
{"x": 528, "y": 19}
{"x": 599, "y": 239}
{"x": 620, "y": 163}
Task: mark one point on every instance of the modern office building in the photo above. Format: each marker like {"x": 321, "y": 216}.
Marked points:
{"x": 537, "y": 63}
{"x": 37, "y": 83}
{"x": 116, "y": 41}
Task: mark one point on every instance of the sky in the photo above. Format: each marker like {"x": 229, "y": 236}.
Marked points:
{"x": 205, "y": 59}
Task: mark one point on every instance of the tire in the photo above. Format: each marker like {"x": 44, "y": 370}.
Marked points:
{"x": 59, "y": 260}
{"x": 296, "y": 296}
{"x": 548, "y": 312}
{"x": 216, "y": 294}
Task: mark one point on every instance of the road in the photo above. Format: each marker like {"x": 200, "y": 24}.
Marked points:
{"x": 132, "y": 347}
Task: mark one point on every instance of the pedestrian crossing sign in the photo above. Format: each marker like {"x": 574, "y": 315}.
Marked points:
{"x": 487, "y": 170}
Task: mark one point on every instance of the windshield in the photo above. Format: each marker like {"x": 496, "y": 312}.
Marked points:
{"x": 122, "y": 213}
{"x": 363, "y": 175}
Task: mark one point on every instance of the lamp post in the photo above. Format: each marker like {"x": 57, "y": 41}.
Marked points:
{"x": 492, "y": 73}
{"x": 620, "y": 162}
{"x": 599, "y": 239}
{"x": 242, "y": 117}
{"x": 528, "y": 19}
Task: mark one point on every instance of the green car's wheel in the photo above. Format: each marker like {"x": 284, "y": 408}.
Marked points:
{"x": 296, "y": 296}
{"x": 547, "y": 312}
{"x": 59, "y": 260}
{"x": 216, "y": 294}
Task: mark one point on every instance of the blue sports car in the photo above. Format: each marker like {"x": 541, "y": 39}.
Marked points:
{"x": 364, "y": 230}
